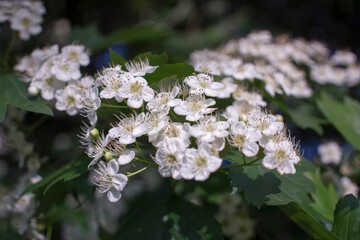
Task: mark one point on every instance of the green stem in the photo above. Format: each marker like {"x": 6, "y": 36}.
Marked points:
{"x": 139, "y": 171}
{"x": 145, "y": 161}
{"x": 138, "y": 147}
{"x": 114, "y": 106}
{"x": 243, "y": 158}
{"x": 49, "y": 231}
{"x": 174, "y": 115}
{"x": 8, "y": 50}
{"x": 245, "y": 164}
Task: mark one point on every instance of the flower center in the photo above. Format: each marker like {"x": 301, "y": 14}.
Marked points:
{"x": 171, "y": 159}
{"x": 195, "y": 106}
{"x": 49, "y": 82}
{"x": 280, "y": 156}
{"x": 73, "y": 56}
{"x": 200, "y": 162}
{"x": 70, "y": 100}
{"x": 26, "y": 22}
{"x": 135, "y": 88}
{"x": 238, "y": 140}
{"x": 64, "y": 67}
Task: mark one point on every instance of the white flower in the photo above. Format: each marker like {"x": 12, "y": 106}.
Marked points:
{"x": 203, "y": 83}
{"x": 96, "y": 149}
{"x": 163, "y": 101}
{"x": 245, "y": 138}
{"x": 108, "y": 180}
{"x": 111, "y": 79}
{"x": 135, "y": 90}
{"x": 91, "y": 102}
{"x": 140, "y": 68}
{"x": 236, "y": 110}
{"x": 119, "y": 151}
{"x": 281, "y": 155}
{"x": 173, "y": 130}
{"x": 194, "y": 107}
{"x": 348, "y": 187}
{"x": 129, "y": 128}
{"x": 26, "y": 23}
{"x": 69, "y": 100}
{"x": 156, "y": 122}
{"x": 245, "y": 71}
{"x": 266, "y": 123}
{"x": 76, "y": 53}
{"x": 229, "y": 88}
{"x": 208, "y": 129}
{"x": 199, "y": 163}
{"x": 253, "y": 98}
{"x": 170, "y": 157}
{"x": 48, "y": 85}
{"x": 343, "y": 57}
{"x": 65, "y": 70}
{"x": 330, "y": 153}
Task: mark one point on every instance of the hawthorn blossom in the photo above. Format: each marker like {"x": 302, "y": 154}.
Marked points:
{"x": 195, "y": 107}
{"x": 129, "y": 128}
{"x": 163, "y": 101}
{"x": 228, "y": 89}
{"x": 203, "y": 83}
{"x": 109, "y": 180}
{"x": 348, "y": 187}
{"x": 76, "y": 53}
{"x": 330, "y": 153}
{"x": 65, "y": 70}
{"x": 199, "y": 163}
{"x": 111, "y": 80}
{"x": 245, "y": 138}
{"x": 208, "y": 129}
{"x": 170, "y": 157}
{"x": 281, "y": 155}
{"x": 135, "y": 90}
{"x": 140, "y": 68}
{"x": 26, "y": 22}
{"x": 69, "y": 100}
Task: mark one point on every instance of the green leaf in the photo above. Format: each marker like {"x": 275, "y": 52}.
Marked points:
{"x": 67, "y": 172}
{"x": 141, "y": 33}
{"x": 305, "y": 116}
{"x": 163, "y": 215}
{"x": 179, "y": 70}
{"x": 154, "y": 59}
{"x": 325, "y": 198}
{"x": 116, "y": 58}
{"x": 307, "y": 222}
{"x": 261, "y": 185}
{"x": 347, "y": 219}
{"x": 344, "y": 116}
{"x": 14, "y": 92}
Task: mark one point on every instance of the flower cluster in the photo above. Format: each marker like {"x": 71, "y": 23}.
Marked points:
{"x": 24, "y": 16}
{"x": 279, "y": 62}
{"x": 187, "y": 149}
{"x": 56, "y": 75}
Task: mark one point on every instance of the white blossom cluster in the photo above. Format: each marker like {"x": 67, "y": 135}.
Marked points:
{"x": 25, "y": 16}
{"x": 20, "y": 208}
{"x": 184, "y": 150}
{"x": 279, "y": 62}
{"x": 56, "y": 75}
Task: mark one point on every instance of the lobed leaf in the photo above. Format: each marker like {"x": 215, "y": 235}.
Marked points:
{"x": 14, "y": 92}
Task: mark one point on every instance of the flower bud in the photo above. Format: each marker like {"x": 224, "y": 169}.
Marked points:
{"x": 94, "y": 133}
{"x": 244, "y": 118}
{"x": 33, "y": 91}
{"x": 108, "y": 156}
{"x": 279, "y": 118}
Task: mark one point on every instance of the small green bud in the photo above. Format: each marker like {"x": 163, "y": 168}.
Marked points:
{"x": 279, "y": 118}
{"x": 94, "y": 133}
{"x": 108, "y": 156}
{"x": 244, "y": 118}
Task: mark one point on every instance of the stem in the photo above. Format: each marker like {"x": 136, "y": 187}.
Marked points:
{"x": 138, "y": 147}
{"x": 174, "y": 115}
{"x": 49, "y": 231}
{"x": 145, "y": 161}
{"x": 8, "y": 50}
{"x": 113, "y": 106}
{"x": 139, "y": 171}
{"x": 243, "y": 158}
{"x": 246, "y": 164}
